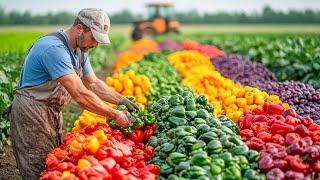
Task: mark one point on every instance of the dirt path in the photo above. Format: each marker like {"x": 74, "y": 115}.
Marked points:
{"x": 8, "y": 166}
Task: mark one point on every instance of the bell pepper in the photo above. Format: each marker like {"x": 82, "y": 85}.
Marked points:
{"x": 108, "y": 164}
{"x": 191, "y": 114}
{"x": 275, "y": 174}
{"x": 240, "y": 150}
{"x": 91, "y": 145}
{"x": 196, "y": 171}
{"x": 177, "y": 121}
{"x": 202, "y": 113}
{"x": 175, "y": 100}
{"x": 315, "y": 136}
{"x": 175, "y": 158}
{"x": 279, "y": 127}
{"x": 226, "y": 130}
{"x": 167, "y": 147}
{"x": 294, "y": 175}
{"x": 165, "y": 170}
{"x": 227, "y": 158}
{"x": 202, "y": 100}
{"x": 208, "y": 136}
{"x": 255, "y": 143}
{"x": 278, "y": 139}
{"x": 202, "y": 128}
{"x": 199, "y": 144}
{"x": 136, "y": 136}
{"x": 311, "y": 153}
{"x": 243, "y": 162}
{"x": 178, "y": 111}
{"x": 296, "y": 147}
{"x": 251, "y": 174}
{"x": 253, "y": 155}
{"x": 138, "y": 123}
{"x": 215, "y": 169}
{"x": 280, "y": 163}
{"x": 274, "y": 109}
{"x": 297, "y": 165}
{"x": 225, "y": 141}
{"x": 265, "y": 163}
{"x": 188, "y": 140}
{"x": 232, "y": 172}
{"x": 200, "y": 159}
{"x": 198, "y": 121}
{"x": 214, "y": 147}
{"x": 264, "y": 136}
{"x": 209, "y": 108}
{"x": 184, "y": 165}
{"x": 150, "y": 119}
{"x": 126, "y": 131}
{"x": 147, "y": 134}
{"x": 302, "y": 130}
{"x": 291, "y": 137}
{"x": 246, "y": 134}
{"x": 190, "y": 104}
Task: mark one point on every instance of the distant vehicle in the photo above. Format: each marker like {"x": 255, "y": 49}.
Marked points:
{"x": 158, "y": 22}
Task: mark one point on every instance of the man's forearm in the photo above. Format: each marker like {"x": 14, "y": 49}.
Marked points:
{"x": 105, "y": 92}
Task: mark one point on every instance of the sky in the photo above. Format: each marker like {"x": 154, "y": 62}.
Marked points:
{"x": 137, "y": 6}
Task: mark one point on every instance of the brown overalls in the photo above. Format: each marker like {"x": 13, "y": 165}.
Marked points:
{"x": 36, "y": 124}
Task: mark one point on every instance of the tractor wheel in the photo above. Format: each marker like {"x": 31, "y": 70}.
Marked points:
{"x": 136, "y": 34}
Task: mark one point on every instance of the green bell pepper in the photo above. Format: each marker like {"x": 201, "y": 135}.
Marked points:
{"x": 191, "y": 114}
{"x": 202, "y": 128}
{"x": 208, "y": 136}
{"x": 214, "y": 147}
{"x": 165, "y": 170}
{"x": 175, "y": 158}
{"x": 198, "y": 145}
{"x": 253, "y": 155}
{"x": 189, "y": 140}
{"x": 202, "y": 100}
{"x": 167, "y": 147}
{"x": 227, "y": 130}
{"x": 243, "y": 162}
{"x": 200, "y": 159}
{"x": 218, "y": 161}
{"x": 198, "y": 121}
{"x": 240, "y": 150}
{"x": 176, "y": 121}
{"x": 251, "y": 174}
{"x": 232, "y": 173}
{"x": 215, "y": 169}
{"x": 126, "y": 131}
{"x": 184, "y": 165}
{"x": 138, "y": 123}
{"x": 214, "y": 122}
{"x": 190, "y": 104}
{"x": 209, "y": 108}
{"x": 227, "y": 158}
{"x": 178, "y": 111}
{"x": 202, "y": 113}
{"x": 226, "y": 143}
{"x": 196, "y": 171}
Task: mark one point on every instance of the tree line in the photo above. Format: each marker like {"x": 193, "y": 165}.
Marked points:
{"x": 267, "y": 16}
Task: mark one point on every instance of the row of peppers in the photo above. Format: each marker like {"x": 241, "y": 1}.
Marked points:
{"x": 191, "y": 121}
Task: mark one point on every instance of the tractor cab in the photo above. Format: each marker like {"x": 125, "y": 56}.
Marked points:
{"x": 159, "y": 21}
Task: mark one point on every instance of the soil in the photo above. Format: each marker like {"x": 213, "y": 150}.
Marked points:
{"x": 8, "y": 166}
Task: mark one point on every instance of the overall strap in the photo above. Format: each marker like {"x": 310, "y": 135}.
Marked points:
{"x": 64, "y": 41}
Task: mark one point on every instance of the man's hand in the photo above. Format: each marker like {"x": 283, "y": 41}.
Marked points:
{"x": 130, "y": 105}
{"x": 121, "y": 119}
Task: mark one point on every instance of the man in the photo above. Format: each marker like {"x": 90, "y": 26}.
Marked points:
{"x": 56, "y": 69}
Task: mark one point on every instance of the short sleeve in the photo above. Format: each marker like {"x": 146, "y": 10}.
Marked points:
{"x": 57, "y": 62}
{"x": 87, "y": 69}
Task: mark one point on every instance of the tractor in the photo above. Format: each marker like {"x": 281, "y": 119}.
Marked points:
{"x": 158, "y": 22}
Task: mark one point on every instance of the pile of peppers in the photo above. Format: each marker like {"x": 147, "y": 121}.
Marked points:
{"x": 99, "y": 152}
{"x": 289, "y": 144}
{"x": 192, "y": 143}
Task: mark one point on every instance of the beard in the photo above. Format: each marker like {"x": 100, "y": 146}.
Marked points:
{"x": 79, "y": 40}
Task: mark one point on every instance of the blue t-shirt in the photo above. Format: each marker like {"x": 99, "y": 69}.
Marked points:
{"x": 50, "y": 59}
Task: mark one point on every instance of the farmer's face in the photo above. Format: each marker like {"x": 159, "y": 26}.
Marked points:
{"x": 86, "y": 41}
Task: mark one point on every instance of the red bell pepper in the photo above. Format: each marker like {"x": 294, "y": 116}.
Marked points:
{"x": 264, "y": 136}
{"x": 246, "y": 134}
{"x": 278, "y": 139}
{"x": 136, "y": 136}
{"x": 292, "y": 137}
{"x": 302, "y": 130}
{"x": 279, "y": 127}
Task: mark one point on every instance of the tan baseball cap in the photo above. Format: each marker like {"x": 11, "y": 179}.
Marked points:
{"x": 98, "y": 21}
